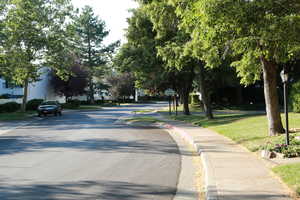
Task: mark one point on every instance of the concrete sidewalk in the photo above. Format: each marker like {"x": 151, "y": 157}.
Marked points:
{"x": 231, "y": 172}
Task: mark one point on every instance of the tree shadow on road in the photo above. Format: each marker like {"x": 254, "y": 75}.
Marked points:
{"x": 16, "y": 144}
{"x": 88, "y": 190}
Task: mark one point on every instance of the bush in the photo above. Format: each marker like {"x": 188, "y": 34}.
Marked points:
{"x": 295, "y": 97}
{"x": 195, "y": 100}
{"x": 279, "y": 146}
{"x": 33, "y": 104}
{"x": 72, "y": 104}
{"x": 291, "y": 151}
{"x": 99, "y": 102}
{"x": 5, "y": 96}
{"x": 84, "y": 103}
{"x": 10, "y": 107}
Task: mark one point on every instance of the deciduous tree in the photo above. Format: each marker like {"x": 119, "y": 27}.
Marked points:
{"x": 30, "y": 29}
{"x": 260, "y": 35}
{"x": 74, "y": 85}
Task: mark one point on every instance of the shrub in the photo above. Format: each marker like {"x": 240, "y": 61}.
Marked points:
{"x": 295, "y": 97}
{"x": 195, "y": 100}
{"x": 99, "y": 102}
{"x": 33, "y": 104}
{"x": 72, "y": 104}
{"x": 9, "y": 107}
{"x": 5, "y": 96}
{"x": 279, "y": 146}
{"x": 291, "y": 151}
{"x": 84, "y": 103}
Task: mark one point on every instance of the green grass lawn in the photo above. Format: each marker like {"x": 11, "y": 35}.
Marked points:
{"x": 16, "y": 116}
{"x": 143, "y": 111}
{"x": 143, "y": 119}
{"x": 290, "y": 174}
{"x": 248, "y": 130}
{"x": 89, "y": 107}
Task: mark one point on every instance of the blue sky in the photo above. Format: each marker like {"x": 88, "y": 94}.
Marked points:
{"x": 113, "y": 12}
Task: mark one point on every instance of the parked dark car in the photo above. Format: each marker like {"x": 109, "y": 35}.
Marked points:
{"x": 49, "y": 107}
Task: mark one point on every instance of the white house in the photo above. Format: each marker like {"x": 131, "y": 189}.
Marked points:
{"x": 38, "y": 90}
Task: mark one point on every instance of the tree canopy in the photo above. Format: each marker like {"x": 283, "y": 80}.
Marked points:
{"x": 33, "y": 33}
{"x": 259, "y": 36}
{"x": 90, "y": 33}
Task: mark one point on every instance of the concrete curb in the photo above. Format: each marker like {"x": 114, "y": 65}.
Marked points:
{"x": 210, "y": 180}
{"x": 211, "y": 191}
{"x": 181, "y": 180}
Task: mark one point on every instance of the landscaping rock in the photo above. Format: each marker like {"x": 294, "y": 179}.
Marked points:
{"x": 268, "y": 154}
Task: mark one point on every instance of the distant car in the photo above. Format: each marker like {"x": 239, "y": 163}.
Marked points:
{"x": 49, "y": 107}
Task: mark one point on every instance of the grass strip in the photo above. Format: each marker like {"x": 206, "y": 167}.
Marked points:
{"x": 144, "y": 119}
{"x": 16, "y": 116}
{"x": 249, "y": 130}
{"x": 89, "y": 107}
{"x": 290, "y": 174}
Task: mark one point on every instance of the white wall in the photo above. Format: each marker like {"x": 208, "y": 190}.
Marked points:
{"x": 12, "y": 91}
{"x": 37, "y": 90}
{"x": 3, "y": 101}
{"x": 42, "y": 89}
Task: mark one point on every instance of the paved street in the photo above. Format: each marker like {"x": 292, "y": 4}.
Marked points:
{"x": 86, "y": 155}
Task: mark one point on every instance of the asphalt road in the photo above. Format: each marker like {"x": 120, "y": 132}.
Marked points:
{"x": 86, "y": 155}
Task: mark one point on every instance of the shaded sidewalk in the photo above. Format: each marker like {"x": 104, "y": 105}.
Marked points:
{"x": 231, "y": 172}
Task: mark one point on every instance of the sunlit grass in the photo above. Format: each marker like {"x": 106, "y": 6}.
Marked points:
{"x": 144, "y": 119}
{"x": 248, "y": 130}
{"x": 290, "y": 174}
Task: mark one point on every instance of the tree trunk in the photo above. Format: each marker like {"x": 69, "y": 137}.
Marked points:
{"x": 185, "y": 99}
{"x": 91, "y": 92}
{"x": 91, "y": 85}
{"x": 25, "y": 96}
{"x": 239, "y": 95}
{"x": 205, "y": 96}
{"x": 271, "y": 97}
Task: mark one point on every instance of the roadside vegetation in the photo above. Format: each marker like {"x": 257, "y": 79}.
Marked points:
{"x": 290, "y": 174}
{"x": 89, "y": 107}
{"x": 16, "y": 116}
{"x": 247, "y": 129}
{"x": 145, "y": 119}
{"x": 250, "y": 130}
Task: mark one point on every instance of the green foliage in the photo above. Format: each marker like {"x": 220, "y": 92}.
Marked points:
{"x": 31, "y": 28}
{"x": 4, "y": 96}
{"x": 90, "y": 33}
{"x": 195, "y": 99}
{"x": 72, "y": 104}
{"x": 295, "y": 97}
{"x": 9, "y": 107}
{"x": 121, "y": 85}
{"x": 33, "y": 104}
{"x": 291, "y": 151}
{"x": 33, "y": 34}
{"x": 246, "y": 30}
{"x": 278, "y": 145}
{"x": 139, "y": 55}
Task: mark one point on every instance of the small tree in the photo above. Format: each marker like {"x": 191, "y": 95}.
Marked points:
{"x": 75, "y": 85}
{"x": 121, "y": 85}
